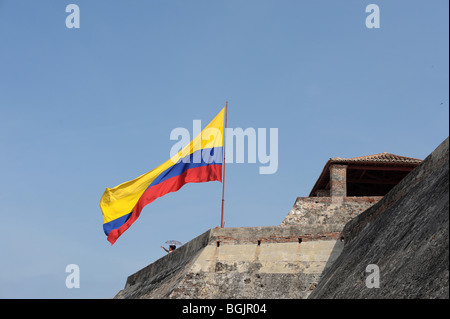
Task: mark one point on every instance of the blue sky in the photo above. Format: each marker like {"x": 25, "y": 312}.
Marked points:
{"x": 89, "y": 108}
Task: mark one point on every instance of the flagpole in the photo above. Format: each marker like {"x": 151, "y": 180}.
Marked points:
{"x": 224, "y": 157}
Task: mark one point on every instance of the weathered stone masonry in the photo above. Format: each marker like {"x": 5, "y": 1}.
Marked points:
{"x": 251, "y": 262}
{"x": 325, "y": 210}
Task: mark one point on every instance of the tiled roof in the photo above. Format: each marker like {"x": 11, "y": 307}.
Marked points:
{"x": 382, "y": 158}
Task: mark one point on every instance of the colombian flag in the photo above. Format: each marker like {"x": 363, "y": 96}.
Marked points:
{"x": 200, "y": 161}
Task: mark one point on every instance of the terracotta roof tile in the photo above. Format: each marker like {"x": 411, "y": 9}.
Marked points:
{"x": 381, "y": 157}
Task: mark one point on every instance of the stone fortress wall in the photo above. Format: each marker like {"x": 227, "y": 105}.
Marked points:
{"x": 308, "y": 252}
